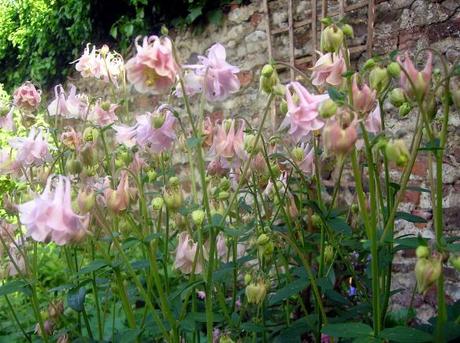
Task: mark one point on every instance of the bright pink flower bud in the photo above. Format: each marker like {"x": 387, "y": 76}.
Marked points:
{"x": 420, "y": 79}
{"x": 27, "y": 97}
{"x": 153, "y": 69}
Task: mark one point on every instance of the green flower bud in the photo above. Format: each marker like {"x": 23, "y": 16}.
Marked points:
{"x": 86, "y": 199}
{"x": 262, "y": 239}
{"x": 327, "y": 109}
{"x": 328, "y": 253}
{"x": 348, "y": 30}
{"x": 267, "y": 84}
{"x": 298, "y": 154}
{"x": 223, "y": 195}
{"x": 198, "y": 217}
{"x": 152, "y": 176}
{"x": 316, "y": 221}
{"x": 224, "y": 184}
{"x": 250, "y": 144}
{"x": 422, "y": 251}
{"x": 279, "y": 89}
{"x": 397, "y": 97}
{"x": 369, "y": 64}
{"x": 174, "y": 181}
{"x": 396, "y": 150}
{"x": 164, "y": 30}
{"x": 455, "y": 261}
{"x": 283, "y": 107}
{"x": 404, "y": 109}
{"x": 267, "y": 70}
{"x": 394, "y": 69}
{"x": 247, "y": 279}
{"x": 427, "y": 271}
{"x": 74, "y": 166}
{"x": 225, "y": 339}
{"x": 173, "y": 199}
{"x": 157, "y": 203}
{"x": 379, "y": 79}
{"x": 90, "y": 134}
{"x": 256, "y": 292}
{"x": 331, "y": 39}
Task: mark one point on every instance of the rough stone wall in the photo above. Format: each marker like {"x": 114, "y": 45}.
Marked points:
{"x": 399, "y": 24}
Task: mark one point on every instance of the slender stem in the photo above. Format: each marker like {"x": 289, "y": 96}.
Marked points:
{"x": 16, "y": 320}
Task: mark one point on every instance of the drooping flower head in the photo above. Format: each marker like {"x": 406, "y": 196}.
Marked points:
{"x": 32, "y": 150}
{"x": 363, "y": 97}
{"x": 50, "y": 217}
{"x": 328, "y": 70}
{"x": 118, "y": 199}
{"x": 153, "y": 131}
{"x": 227, "y": 143}
{"x": 103, "y": 113}
{"x": 185, "y": 255}
{"x": 340, "y": 136}
{"x": 220, "y": 77}
{"x": 373, "y": 122}
{"x": 302, "y": 115}
{"x": 91, "y": 64}
{"x": 420, "y": 79}
{"x": 304, "y": 156}
{"x": 27, "y": 97}
{"x": 71, "y": 106}
{"x": 153, "y": 69}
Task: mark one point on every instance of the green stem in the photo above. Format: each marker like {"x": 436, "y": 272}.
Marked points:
{"x": 16, "y": 320}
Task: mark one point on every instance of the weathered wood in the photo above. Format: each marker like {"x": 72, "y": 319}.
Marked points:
{"x": 269, "y": 31}
{"x": 291, "y": 38}
{"x": 370, "y": 26}
{"x": 314, "y": 35}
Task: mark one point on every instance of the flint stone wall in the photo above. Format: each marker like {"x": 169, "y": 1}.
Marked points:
{"x": 399, "y": 24}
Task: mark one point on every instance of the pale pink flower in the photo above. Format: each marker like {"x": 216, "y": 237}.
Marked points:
{"x": 8, "y": 164}
{"x": 226, "y": 142}
{"x": 302, "y": 115}
{"x": 118, "y": 199}
{"x": 69, "y": 106}
{"x": 208, "y": 131}
{"x": 373, "y": 122}
{"x": 103, "y": 113}
{"x": 50, "y": 215}
{"x": 185, "y": 255}
{"x": 193, "y": 84}
{"x": 137, "y": 163}
{"x": 27, "y": 97}
{"x": 339, "y": 139}
{"x": 6, "y": 121}
{"x": 91, "y": 64}
{"x": 72, "y": 139}
{"x": 363, "y": 97}
{"x": 218, "y": 167}
{"x": 32, "y": 150}
{"x": 420, "y": 79}
{"x": 220, "y": 77}
{"x": 153, "y": 69}
{"x": 223, "y": 252}
{"x": 153, "y": 131}
{"x": 328, "y": 70}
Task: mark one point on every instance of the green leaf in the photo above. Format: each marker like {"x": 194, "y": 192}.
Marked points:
{"x": 347, "y": 330}
{"x": 348, "y": 74}
{"x": 409, "y": 217}
{"x": 193, "y": 14}
{"x": 289, "y": 290}
{"x": 15, "y": 286}
{"x": 402, "y": 334}
{"x": 114, "y": 31}
{"x": 251, "y": 327}
{"x": 336, "y": 95}
{"x": 76, "y": 299}
{"x": 93, "y": 266}
{"x": 418, "y": 189}
{"x": 129, "y": 335}
{"x": 339, "y": 225}
{"x": 215, "y": 16}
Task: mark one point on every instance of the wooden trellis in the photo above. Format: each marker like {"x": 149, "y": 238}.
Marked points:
{"x": 312, "y": 19}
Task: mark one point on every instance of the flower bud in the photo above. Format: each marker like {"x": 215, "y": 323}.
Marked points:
{"x": 427, "y": 271}
{"x": 198, "y": 217}
{"x": 74, "y": 166}
{"x": 267, "y": 83}
{"x": 422, "y": 251}
{"x": 174, "y": 181}
{"x": 164, "y": 30}
{"x": 88, "y": 155}
{"x": 48, "y": 325}
{"x": 394, "y": 69}
{"x": 338, "y": 140}
{"x": 223, "y": 195}
{"x": 157, "y": 203}
{"x": 348, "y": 30}
{"x": 316, "y": 221}
{"x": 328, "y": 253}
{"x": 86, "y": 200}
{"x": 90, "y": 134}
{"x": 225, "y": 339}
{"x": 152, "y": 176}
{"x": 173, "y": 199}
{"x": 298, "y": 154}
{"x": 397, "y": 97}
{"x": 331, "y": 39}
{"x": 279, "y": 89}
{"x": 283, "y": 107}
{"x": 455, "y": 261}
{"x": 369, "y": 64}
{"x": 267, "y": 70}
{"x": 256, "y": 292}
{"x": 396, "y": 150}
{"x": 327, "y": 109}
{"x": 379, "y": 79}
{"x": 262, "y": 239}
{"x": 224, "y": 184}
{"x": 404, "y": 109}
{"x": 247, "y": 279}
{"x": 55, "y": 309}
{"x": 250, "y": 144}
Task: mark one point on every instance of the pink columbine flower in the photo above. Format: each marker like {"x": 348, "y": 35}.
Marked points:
{"x": 8, "y": 164}
{"x": 307, "y": 165}
{"x": 373, "y": 122}
{"x": 193, "y": 84}
{"x": 6, "y": 121}
{"x": 363, "y": 97}
{"x": 103, "y": 113}
{"x": 71, "y": 138}
{"x": 153, "y": 69}
{"x": 50, "y": 215}
{"x": 32, "y": 150}
{"x": 328, "y": 69}
{"x": 153, "y": 131}
{"x": 118, "y": 199}
{"x": 420, "y": 79}
{"x": 220, "y": 77}
{"x": 27, "y": 97}
{"x": 302, "y": 115}
{"x": 69, "y": 106}
{"x": 91, "y": 64}
{"x": 227, "y": 143}
{"x": 185, "y": 255}
{"x": 339, "y": 139}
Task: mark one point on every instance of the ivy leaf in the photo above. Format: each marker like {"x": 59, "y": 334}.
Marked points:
{"x": 402, "y": 334}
